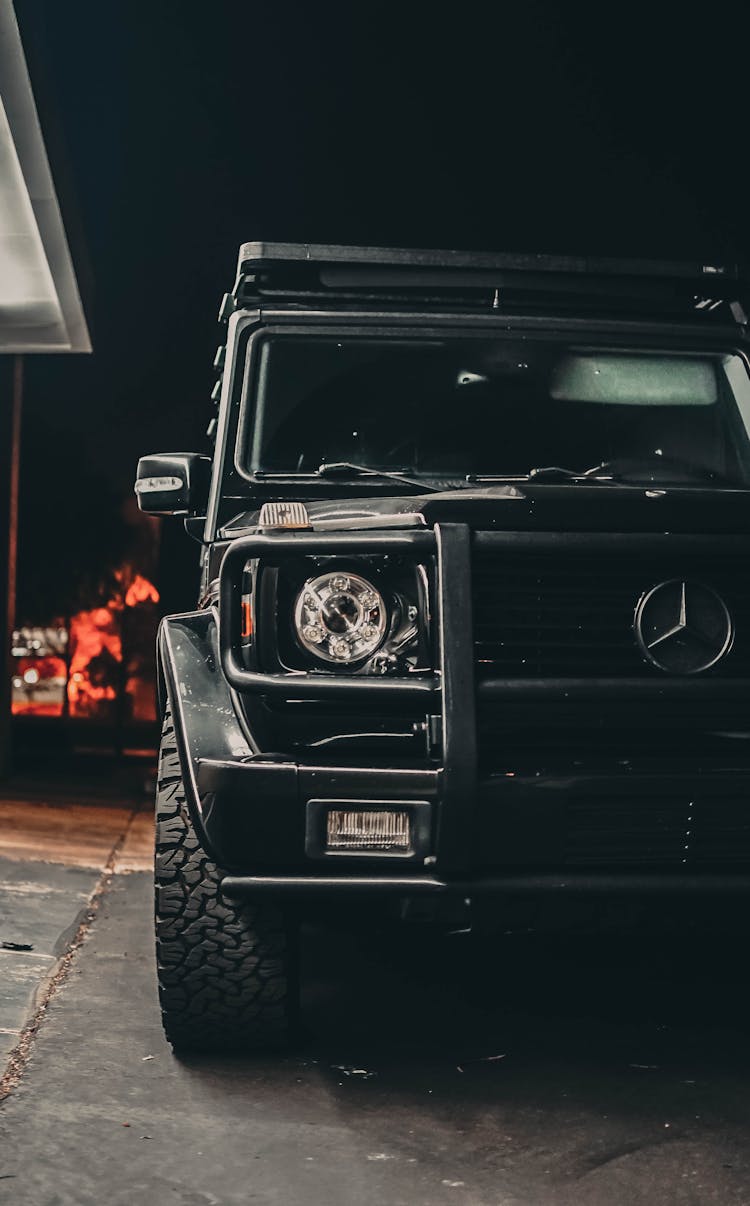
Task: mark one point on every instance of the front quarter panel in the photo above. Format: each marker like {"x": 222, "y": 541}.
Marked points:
{"x": 207, "y": 723}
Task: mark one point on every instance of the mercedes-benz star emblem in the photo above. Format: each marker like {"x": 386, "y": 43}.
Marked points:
{"x": 683, "y": 627}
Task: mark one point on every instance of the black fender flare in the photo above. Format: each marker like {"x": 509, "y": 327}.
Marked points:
{"x": 207, "y": 719}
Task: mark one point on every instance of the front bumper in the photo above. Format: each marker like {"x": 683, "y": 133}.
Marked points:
{"x": 589, "y": 833}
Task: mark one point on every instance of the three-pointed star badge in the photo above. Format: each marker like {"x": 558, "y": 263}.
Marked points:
{"x": 683, "y": 627}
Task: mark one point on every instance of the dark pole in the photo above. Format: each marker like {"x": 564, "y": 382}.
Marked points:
{"x": 13, "y": 462}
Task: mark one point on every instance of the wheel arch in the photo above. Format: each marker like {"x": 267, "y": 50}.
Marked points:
{"x": 207, "y": 720}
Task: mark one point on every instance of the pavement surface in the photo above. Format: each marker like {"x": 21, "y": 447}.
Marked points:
{"x": 434, "y": 1069}
{"x": 41, "y": 908}
{"x": 55, "y": 848}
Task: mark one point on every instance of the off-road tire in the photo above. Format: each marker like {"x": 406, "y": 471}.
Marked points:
{"x": 226, "y": 968}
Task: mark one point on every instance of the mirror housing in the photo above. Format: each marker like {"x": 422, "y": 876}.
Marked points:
{"x": 173, "y": 483}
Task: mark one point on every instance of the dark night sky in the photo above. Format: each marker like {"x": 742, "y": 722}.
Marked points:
{"x": 191, "y": 127}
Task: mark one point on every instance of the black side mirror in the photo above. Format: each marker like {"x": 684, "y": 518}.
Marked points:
{"x": 173, "y": 483}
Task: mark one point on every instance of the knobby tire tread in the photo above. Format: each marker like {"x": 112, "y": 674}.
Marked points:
{"x": 223, "y": 965}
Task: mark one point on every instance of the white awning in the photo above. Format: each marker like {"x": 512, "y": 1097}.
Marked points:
{"x": 40, "y": 305}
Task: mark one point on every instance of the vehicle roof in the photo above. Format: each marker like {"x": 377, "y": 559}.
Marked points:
{"x": 269, "y": 255}
{"x": 306, "y": 273}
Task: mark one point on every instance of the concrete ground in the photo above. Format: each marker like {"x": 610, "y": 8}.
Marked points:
{"x": 57, "y": 847}
{"x": 524, "y": 1071}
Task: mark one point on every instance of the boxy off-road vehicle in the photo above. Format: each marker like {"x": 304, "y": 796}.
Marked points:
{"x": 474, "y": 623}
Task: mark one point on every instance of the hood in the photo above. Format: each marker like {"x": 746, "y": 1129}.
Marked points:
{"x": 534, "y": 507}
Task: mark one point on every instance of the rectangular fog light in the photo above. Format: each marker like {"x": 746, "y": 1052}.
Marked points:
{"x": 368, "y": 829}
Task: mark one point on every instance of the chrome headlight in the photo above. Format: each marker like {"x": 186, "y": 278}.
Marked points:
{"x": 340, "y": 617}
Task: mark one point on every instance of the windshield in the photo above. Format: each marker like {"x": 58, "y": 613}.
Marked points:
{"x": 459, "y": 407}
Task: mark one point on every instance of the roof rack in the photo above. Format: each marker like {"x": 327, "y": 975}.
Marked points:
{"x": 305, "y": 272}
{"x": 267, "y": 255}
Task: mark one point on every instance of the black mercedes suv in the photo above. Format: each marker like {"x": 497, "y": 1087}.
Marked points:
{"x": 474, "y": 624}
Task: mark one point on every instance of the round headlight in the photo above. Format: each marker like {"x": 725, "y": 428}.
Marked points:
{"x": 340, "y": 617}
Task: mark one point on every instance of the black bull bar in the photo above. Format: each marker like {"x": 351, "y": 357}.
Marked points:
{"x": 451, "y": 687}
{"x": 450, "y": 690}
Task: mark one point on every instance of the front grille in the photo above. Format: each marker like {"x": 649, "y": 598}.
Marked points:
{"x": 681, "y": 833}
{"x": 639, "y": 826}
{"x": 549, "y": 733}
{"x": 552, "y": 615}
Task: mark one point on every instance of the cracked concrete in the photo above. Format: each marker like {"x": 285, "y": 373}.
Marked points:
{"x": 52, "y": 855}
{"x": 565, "y": 1071}
{"x": 40, "y": 904}
{"x": 623, "y": 1081}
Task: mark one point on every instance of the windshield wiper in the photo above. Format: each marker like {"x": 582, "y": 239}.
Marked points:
{"x": 544, "y": 473}
{"x": 350, "y": 469}
{"x": 619, "y": 471}
{"x": 553, "y": 473}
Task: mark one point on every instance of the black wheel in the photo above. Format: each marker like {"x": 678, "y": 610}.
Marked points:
{"x": 226, "y": 968}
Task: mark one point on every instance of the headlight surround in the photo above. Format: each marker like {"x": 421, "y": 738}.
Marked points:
{"x": 340, "y": 617}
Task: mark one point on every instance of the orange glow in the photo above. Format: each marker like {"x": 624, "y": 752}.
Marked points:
{"x": 247, "y": 618}
{"x": 141, "y": 591}
{"x": 96, "y": 644}
{"x": 111, "y": 671}
{"x": 48, "y": 667}
{"x": 34, "y": 697}
{"x": 30, "y": 707}
{"x": 96, "y": 648}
